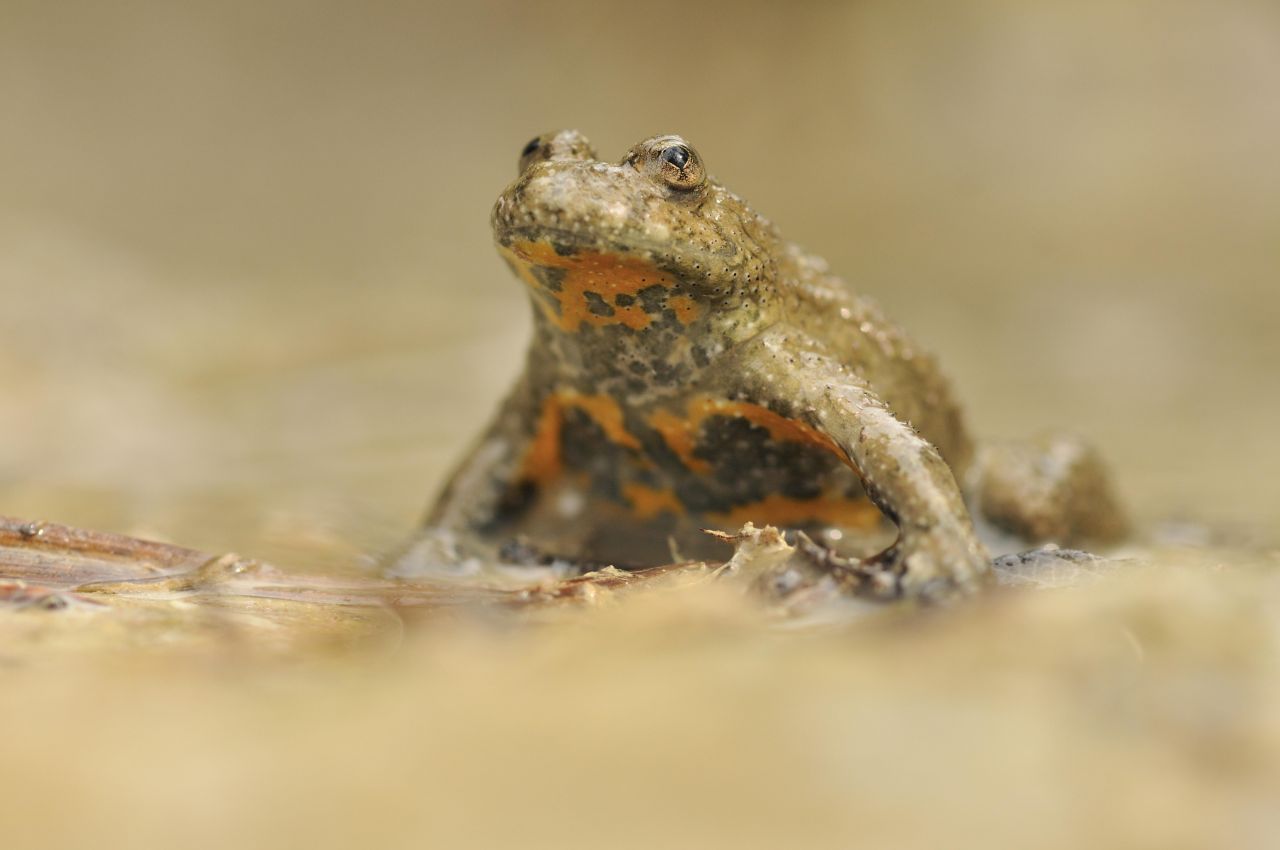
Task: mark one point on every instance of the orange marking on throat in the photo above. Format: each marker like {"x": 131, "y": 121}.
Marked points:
{"x": 681, "y": 432}
{"x": 591, "y": 272}
{"x": 686, "y": 309}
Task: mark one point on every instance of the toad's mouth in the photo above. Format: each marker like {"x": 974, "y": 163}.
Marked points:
{"x": 566, "y": 242}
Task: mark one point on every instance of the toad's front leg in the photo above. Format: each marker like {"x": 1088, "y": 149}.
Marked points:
{"x": 937, "y": 553}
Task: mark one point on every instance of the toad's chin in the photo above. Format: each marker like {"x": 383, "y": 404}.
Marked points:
{"x": 692, "y": 265}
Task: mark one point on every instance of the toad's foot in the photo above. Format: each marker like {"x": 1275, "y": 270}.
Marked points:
{"x": 935, "y": 567}
{"x": 1049, "y": 567}
{"x": 926, "y": 569}
{"x": 1054, "y": 488}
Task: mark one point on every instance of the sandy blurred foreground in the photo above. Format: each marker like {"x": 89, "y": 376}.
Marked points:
{"x": 244, "y": 261}
{"x": 1138, "y": 713}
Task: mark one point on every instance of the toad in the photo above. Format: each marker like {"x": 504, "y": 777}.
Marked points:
{"x": 691, "y": 370}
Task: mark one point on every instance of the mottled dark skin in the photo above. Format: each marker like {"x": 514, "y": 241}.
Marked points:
{"x": 690, "y": 369}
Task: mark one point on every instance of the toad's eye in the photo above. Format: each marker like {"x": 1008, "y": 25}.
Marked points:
{"x": 561, "y": 145}
{"x": 531, "y": 152}
{"x": 677, "y": 155}
{"x": 679, "y": 166}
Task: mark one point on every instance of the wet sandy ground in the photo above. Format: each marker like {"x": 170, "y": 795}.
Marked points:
{"x": 244, "y": 262}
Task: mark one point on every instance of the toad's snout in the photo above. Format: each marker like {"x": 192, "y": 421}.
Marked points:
{"x": 578, "y": 200}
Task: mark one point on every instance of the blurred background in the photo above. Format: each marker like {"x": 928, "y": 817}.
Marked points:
{"x": 248, "y": 283}
{"x": 248, "y": 301}
{"x": 249, "y": 288}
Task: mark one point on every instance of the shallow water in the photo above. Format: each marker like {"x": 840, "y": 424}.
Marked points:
{"x": 244, "y": 261}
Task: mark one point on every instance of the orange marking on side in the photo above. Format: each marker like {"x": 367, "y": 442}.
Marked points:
{"x": 542, "y": 462}
{"x": 686, "y": 309}
{"x": 681, "y": 434}
{"x": 776, "y": 509}
{"x": 779, "y": 427}
{"x": 606, "y": 275}
{"x": 647, "y": 502}
{"x": 606, "y": 413}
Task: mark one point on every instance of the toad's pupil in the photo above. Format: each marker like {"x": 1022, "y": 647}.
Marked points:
{"x": 677, "y": 156}
{"x": 531, "y": 147}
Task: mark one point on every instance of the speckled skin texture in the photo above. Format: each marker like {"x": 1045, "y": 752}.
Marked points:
{"x": 690, "y": 369}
